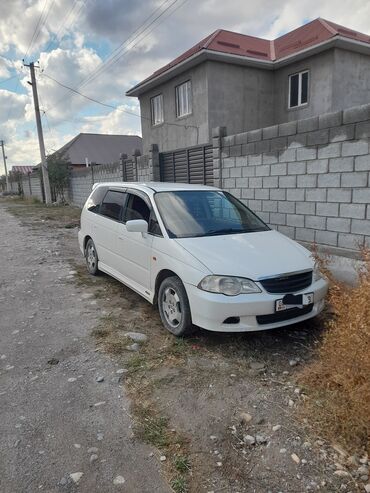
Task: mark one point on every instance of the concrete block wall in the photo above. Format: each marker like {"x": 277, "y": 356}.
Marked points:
{"x": 31, "y": 186}
{"x": 80, "y": 186}
{"x": 143, "y": 169}
{"x": 107, "y": 172}
{"x": 309, "y": 179}
{"x": 139, "y": 168}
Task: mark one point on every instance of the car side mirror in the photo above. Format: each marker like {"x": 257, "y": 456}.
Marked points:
{"x": 137, "y": 226}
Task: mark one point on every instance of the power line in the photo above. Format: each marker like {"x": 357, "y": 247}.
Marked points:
{"x": 107, "y": 105}
{"x": 66, "y": 19}
{"x": 111, "y": 57}
{"x": 10, "y": 78}
{"x": 130, "y": 46}
{"x": 118, "y": 56}
{"x": 36, "y": 29}
{"x": 39, "y": 22}
{"x": 45, "y": 19}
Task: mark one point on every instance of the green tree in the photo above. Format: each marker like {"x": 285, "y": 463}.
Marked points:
{"x": 58, "y": 165}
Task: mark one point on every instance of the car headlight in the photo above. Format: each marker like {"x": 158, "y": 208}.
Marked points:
{"x": 316, "y": 276}
{"x": 230, "y": 286}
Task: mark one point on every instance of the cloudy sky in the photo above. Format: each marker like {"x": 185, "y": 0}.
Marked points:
{"x": 103, "y": 47}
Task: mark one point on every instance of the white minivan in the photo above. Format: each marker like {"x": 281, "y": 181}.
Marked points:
{"x": 201, "y": 255}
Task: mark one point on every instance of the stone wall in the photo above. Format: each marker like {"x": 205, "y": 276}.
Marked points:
{"x": 30, "y": 184}
{"x": 135, "y": 168}
{"x": 308, "y": 178}
{"x": 80, "y": 186}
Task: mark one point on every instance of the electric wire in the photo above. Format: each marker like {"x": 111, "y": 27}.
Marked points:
{"x": 65, "y": 22}
{"x": 107, "y": 105}
{"x": 36, "y": 30}
{"x": 111, "y": 58}
{"x": 6, "y": 80}
{"x": 92, "y": 74}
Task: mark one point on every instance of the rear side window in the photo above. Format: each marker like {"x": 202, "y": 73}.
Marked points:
{"x": 95, "y": 199}
{"x": 112, "y": 205}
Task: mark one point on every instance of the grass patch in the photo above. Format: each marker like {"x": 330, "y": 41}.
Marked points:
{"x": 182, "y": 463}
{"x": 151, "y": 428}
{"x": 136, "y": 363}
{"x": 338, "y": 382}
{"x": 178, "y": 484}
{"x": 32, "y": 210}
{"x": 100, "y": 333}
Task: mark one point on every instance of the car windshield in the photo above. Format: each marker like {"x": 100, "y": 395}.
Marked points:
{"x": 196, "y": 213}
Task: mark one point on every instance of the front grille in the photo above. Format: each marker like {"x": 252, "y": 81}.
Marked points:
{"x": 288, "y": 284}
{"x": 284, "y": 315}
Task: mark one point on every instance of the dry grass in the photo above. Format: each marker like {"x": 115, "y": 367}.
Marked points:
{"x": 62, "y": 216}
{"x": 338, "y": 381}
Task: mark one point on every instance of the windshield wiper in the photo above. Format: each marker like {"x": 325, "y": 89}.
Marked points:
{"x": 224, "y": 231}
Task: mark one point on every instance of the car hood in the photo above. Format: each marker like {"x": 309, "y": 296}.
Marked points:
{"x": 252, "y": 255}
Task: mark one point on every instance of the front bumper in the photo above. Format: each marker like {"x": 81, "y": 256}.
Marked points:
{"x": 210, "y": 310}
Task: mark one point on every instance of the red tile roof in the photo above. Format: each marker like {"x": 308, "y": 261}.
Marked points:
{"x": 308, "y": 35}
{"x": 22, "y": 169}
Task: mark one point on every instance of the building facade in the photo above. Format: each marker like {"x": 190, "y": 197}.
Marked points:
{"x": 245, "y": 83}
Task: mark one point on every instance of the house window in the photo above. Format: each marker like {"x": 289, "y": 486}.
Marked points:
{"x": 298, "y": 89}
{"x": 156, "y": 105}
{"x": 183, "y": 99}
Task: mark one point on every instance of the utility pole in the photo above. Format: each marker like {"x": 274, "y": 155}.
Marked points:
{"x": 5, "y": 166}
{"x": 44, "y": 165}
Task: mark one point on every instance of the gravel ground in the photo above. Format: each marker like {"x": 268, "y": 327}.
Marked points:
{"x": 233, "y": 398}
{"x": 61, "y": 429}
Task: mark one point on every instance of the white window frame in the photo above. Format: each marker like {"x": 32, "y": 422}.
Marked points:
{"x": 156, "y": 106}
{"x": 300, "y": 74}
{"x": 184, "y": 99}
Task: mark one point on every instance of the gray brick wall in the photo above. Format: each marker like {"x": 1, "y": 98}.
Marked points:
{"x": 309, "y": 179}
{"x": 32, "y": 186}
{"x": 138, "y": 168}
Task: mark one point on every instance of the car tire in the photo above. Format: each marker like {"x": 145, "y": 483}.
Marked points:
{"x": 91, "y": 257}
{"x": 174, "y": 308}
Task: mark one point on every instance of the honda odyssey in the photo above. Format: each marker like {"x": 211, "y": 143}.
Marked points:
{"x": 201, "y": 255}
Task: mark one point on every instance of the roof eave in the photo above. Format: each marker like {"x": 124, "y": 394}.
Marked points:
{"x": 203, "y": 55}
{"x": 196, "y": 59}
{"x": 334, "y": 42}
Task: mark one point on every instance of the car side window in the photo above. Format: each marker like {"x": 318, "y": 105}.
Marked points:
{"x": 136, "y": 208}
{"x": 113, "y": 204}
{"x": 154, "y": 227}
{"x": 95, "y": 199}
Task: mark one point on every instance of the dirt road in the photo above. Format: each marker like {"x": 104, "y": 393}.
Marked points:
{"x": 222, "y": 413}
{"x": 60, "y": 429}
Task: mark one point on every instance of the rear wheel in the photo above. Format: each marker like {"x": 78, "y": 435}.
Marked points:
{"x": 174, "y": 308}
{"x": 91, "y": 257}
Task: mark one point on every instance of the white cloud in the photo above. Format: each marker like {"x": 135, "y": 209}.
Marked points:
{"x": 79, "y": 36}
{"x": 5, "y": 65}
{"x": 118, "y": 121}
{"x": 12, "y": 106}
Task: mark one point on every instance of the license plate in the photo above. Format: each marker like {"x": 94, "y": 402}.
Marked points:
{"x": 294, "y": 301}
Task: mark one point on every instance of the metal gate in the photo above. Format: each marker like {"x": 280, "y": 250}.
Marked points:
{"x": 191, "y": 165}
{"x": 128, "y": 170}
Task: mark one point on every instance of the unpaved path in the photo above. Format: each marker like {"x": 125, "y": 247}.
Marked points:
{"x": 51, "y": 414}
{"x": 189, "y": 396}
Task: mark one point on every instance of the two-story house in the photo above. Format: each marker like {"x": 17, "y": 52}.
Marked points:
{"x": 244, "y": 82}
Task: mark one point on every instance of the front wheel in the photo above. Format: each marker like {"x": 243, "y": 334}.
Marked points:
{"x": 91, "y": 257}
{"x": 174, "y": 308}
